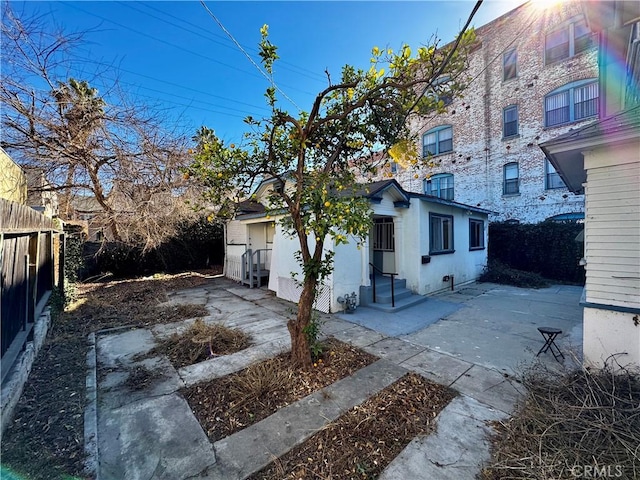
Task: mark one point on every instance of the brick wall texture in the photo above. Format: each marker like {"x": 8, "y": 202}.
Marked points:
{"x": 479, "y": 149}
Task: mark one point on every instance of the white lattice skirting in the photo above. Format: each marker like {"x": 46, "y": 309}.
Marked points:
{"x": 288, "y": 289}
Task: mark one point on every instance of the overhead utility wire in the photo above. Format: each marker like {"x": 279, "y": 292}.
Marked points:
{"x": 283, "y": 64}
{"x": 444, "y": 64}
{"x": 484, "y": 69}
{"x": 206, "y": 109}
{"x": 246, "y": 72}
{"x": 202, "y": 92}
{"x": 268, "y": 77}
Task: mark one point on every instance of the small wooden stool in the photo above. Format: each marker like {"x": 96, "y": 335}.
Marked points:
{"x": 549, "y": 334}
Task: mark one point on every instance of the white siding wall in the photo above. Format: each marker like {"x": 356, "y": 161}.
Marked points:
{"x": 612, "y": 233}
{"x": 464, "y": 265}
{"x": 347, "y": 274}
{"x": 612, "y": 250}
{"x": 236, "y": 233}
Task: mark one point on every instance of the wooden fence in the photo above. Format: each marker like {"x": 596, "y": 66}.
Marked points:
{"x": 30, "y": 249}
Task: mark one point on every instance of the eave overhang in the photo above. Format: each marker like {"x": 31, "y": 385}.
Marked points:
{"x": 566, "y": 152}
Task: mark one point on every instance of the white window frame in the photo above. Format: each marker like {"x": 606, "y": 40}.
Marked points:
{"x": 440, "y": 185}
{"x": 437, "y": 133}
{"x": 509, "y": 180}
{"x": 440, "y": 234}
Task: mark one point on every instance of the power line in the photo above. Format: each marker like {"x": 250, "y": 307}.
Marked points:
{"x": 191, "y": 106}
{"x": 202, "y": 92}
{"x": 484, "y": 69}
{"x": 154, "y": 38}
{"x": 268, "y": 77}
{"x": 283, "y": 64}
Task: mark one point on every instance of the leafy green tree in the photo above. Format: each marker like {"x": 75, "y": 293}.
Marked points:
{"x": 319, "y": 155}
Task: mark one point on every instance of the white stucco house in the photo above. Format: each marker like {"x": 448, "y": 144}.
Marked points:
{"x": 603, "y": 161}
{"x": 428, "y": 243}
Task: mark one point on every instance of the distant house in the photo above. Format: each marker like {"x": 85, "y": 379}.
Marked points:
{"x": 41, "y": 196}
{"x": 603, "y": 161}
{"x": 13, "y": 182}
{"x": 88, "y": 213}
{"x": 428, "y": 243}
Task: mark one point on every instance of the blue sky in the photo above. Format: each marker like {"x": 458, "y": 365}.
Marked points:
{"x": 175, "y": 57}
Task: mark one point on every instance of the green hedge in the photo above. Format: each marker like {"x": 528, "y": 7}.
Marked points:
{"x": 548, "y": 249}
{"x": 198, "y": 244}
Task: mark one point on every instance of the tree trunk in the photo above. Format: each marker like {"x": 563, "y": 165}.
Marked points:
{"x": 300, "y": 348}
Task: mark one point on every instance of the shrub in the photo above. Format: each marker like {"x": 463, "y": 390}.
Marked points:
{"x": 497, "y": 272}
{"x": 198, "y": 244}
{"x": 73, "y": 267}
{"x": 548, "y": 249}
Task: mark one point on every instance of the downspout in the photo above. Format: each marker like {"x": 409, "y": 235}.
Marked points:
{"x": 448, "y": 278}
{"x": 487, "y": 127}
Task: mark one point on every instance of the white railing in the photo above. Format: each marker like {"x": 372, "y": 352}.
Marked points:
{"x": 234, "y": 267}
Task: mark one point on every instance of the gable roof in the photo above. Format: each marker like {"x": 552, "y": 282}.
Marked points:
{"x": 248, "y": 207}
{"x": 373, "y": 191}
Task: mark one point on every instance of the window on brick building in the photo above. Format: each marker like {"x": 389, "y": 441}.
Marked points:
{"x": 509, "y": 64}
{"x": 476, "y": 234}
{"x": 440, "y": 90}
{"x": 511, "y": 175}
{"x": 510, "y": 121}
{"x": 573, "y": 217}
{"x": 567, "y": 41}
{"x": 437, "y": 140}
{"x": 552, "y": 178}
{"x": 572, "y": 102}
{"x": 440, "y": 234}
{"x": 440, "y": 185}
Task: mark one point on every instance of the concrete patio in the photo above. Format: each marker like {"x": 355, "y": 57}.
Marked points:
{"x": 476, "y": 339}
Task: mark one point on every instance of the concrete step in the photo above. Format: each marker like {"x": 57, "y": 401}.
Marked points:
{"x": 398, "y": 294}
{"x": 383, "y": 283}
{"x": 400, "y": 304}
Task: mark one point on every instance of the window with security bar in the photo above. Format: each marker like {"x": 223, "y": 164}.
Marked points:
{"x": 383, "y": 235}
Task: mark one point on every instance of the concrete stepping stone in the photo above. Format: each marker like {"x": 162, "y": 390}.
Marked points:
{"x": 455, "y": 451}
{"x": 155, "y": 438}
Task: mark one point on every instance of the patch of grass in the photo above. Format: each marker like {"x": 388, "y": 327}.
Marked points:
{"x": 362, "y": 442}
{"x": 200, "y": 342}
{"x": 258, "y": 380}
{"x": 497, "y": 272}
{"x": 568, "y": 422}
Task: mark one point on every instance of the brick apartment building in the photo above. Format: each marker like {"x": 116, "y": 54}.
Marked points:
{"x": 534, "y": 77}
